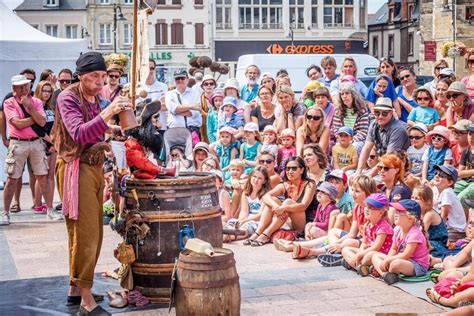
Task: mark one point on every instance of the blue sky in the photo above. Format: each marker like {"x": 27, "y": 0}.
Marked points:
{"x": 374, "y": 5}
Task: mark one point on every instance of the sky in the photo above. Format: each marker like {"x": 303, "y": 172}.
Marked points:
{"x": 373, "y": 5}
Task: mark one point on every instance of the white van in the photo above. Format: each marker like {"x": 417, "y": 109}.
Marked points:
{"x": 296, "y": 65}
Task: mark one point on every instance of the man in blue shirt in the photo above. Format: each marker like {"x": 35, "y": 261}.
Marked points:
{"x": 249, "y": 91}
{"x": 329, "y": 66}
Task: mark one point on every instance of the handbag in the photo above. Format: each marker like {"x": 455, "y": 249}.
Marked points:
{"x": 125, "y": 253}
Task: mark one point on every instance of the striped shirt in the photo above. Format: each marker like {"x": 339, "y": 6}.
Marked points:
{"x": 88, "y": 133}
{"x": 360, "y": 125}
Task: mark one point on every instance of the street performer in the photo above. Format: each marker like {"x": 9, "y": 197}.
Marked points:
{"x": 78, "y": 138}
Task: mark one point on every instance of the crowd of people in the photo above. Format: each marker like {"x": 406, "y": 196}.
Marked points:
{"x": 379, "y": 179}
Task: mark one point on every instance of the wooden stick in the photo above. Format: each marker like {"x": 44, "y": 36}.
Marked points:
{"x": 134, "y": 53}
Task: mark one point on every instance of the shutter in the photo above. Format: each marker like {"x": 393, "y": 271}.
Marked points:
{"x": 164, "y": 30}
{"x": 158, "y": 34}
{"x": 199, "y": 33}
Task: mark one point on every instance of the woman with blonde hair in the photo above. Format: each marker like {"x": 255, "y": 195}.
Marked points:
{"x": 291, "y": 111}
{"x": 313, "y": 130}
{"x": 348, "y": 68}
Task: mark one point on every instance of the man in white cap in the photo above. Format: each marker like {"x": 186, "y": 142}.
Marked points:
{"x": 386, "y": 133}
{"x": 21, "y": 112}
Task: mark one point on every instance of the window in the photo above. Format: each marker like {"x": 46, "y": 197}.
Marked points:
{"x": 52, "y": 30}
{"x": 263, "y": 14}
{"x": 127, "y": 1}
{"x": 176, "y": 2}
{"x": 161, "y": 2}
{"x": 34, "y": 25}
{"x": 71, "y": 31}
{"x": 104, "y": 1}
{"x": 199, "y": 33}
{"x": 297, "y": 14}
{"x": 105, "y": 34}
{"x": 410, "y": 11}
{"x": 314, "y": 13}
{"x": 375, "y": 46}
{"x": 338, "y": 13}
{"x": 51, "y": 3}
{"x": 391, "y": 46}
{"x": 161, "y": 34}
{"x": 198, "y": 2}
{"x": 127, "y": 34}
{"x": 411, "y": 44}
{"x": 390, "y": 16}
{"x": 223, "y": 14}
{"x": 176, "y": 34}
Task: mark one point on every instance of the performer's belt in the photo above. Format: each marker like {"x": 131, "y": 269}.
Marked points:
{"x": 24, "y": 139}
{"x": 93, "y": 156}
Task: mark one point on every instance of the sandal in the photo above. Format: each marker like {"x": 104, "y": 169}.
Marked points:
{"x": 259, "y": 243}
{"x": 15, "y": 208}
{"x": 363, "y": 270}
{"x": 300, "y": 252}
{"x": 433, "y": 295}
{"x": 283, "y": 245}
{"x": 248, "y": 241}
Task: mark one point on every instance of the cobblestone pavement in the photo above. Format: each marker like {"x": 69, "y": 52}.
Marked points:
{"x": 271, "y": 282}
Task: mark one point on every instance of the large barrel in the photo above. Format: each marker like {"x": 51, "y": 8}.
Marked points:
{"x": 169, "y": 204}
{"x": 207, "y": 285}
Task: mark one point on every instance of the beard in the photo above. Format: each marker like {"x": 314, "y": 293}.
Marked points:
{"x": 252, "y": 81}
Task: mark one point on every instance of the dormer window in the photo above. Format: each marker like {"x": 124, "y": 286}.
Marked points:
{"x": 51, "y": 3}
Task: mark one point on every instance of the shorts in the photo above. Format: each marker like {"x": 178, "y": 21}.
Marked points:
{"x": 419, "y": 269}
{"x": 250, "y": 226}
{"x": 20, "y": 151}
{"x": 454, "y": 235}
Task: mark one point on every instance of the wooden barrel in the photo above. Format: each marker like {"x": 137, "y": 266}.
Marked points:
{"x": 207, "y": 285}
{"x": 169, "y": 204}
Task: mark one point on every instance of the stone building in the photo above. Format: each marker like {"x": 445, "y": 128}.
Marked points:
{"x": 436, "y": 28}
{"x": 393, "y": 32}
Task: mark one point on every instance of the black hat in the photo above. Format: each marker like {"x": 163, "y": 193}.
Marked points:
{"x": 149, "y": 110}
{"x": 181, "y": 73}
{"x": 89, "y": 62}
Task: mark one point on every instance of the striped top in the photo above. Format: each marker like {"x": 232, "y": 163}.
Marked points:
{"x": 360, "y": 127}
{"x": 85, "y": 134}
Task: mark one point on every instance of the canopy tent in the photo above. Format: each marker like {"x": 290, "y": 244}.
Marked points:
{"x": 22, "y": 46}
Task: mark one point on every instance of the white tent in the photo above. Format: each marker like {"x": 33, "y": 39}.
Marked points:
{"x": 22, "y": 46}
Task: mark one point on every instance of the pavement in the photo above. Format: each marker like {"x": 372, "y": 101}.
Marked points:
{"x": 34, "y": 269}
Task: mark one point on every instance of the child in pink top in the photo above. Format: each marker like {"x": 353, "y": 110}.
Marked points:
{"x": 286, "y": 150}
{"x": 326, "y": 195}
{"x": 377, "y": 234}
{"x": 409, "y": 254}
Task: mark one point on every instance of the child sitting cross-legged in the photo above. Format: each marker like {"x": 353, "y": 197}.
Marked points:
{"x": 377, "y": 235}
{"x": 344, "y": 153}
{"x": 409, "y": 254}
{"x": 342, "y": 218}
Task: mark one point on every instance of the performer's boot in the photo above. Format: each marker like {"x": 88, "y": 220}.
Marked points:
{"x": 169, "y": 172}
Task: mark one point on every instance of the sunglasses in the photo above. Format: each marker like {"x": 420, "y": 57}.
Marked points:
{"x": 265, "y": 161}
{"x": 453, "y": 96}
{"x": 313, "y": 117}
{"x": 439, "y": 68}
{"x": 441, "y": 174}
{"x": 180, "y": 79}
{"x": 405, "y": 77}
{"x": 372, "y": 156}
{"x": 416, "y": 137}
{"x": 208, "y": 84}
{"x": 114, "y": 76}
{"x": 152, "y": 68}
{"x": 174, "y": 155}
{"x": 455, "y": 132}
{"x": 437, "y": 138}
{"x": 423, "y": 99}
{"x": 291, "y": 168}
{"x": 264, "y": 93}
{"x": 470, "y": 61}
{"x": 63, "y": 81}
{"x": 384, "y": 168}
{"x": 383, "y": 113}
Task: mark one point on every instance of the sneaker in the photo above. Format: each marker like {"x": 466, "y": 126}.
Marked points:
{"x": 40, "y": 209}
{"x": 390, "y": 278}
{"x": 5, "y": 219}
{"x": 346, "y": 265}
{"x": 330, "y": 260}
{"x": 54, "y": 216}
{"x": 363, "y": 270}
{"x": 59, "y": 207}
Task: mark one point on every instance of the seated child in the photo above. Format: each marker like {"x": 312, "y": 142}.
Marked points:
{"x": 234, "y": 185}
{"x": 179, "y": 160}
{"x": 344, "y": 153}
{"x": 438, "y": 153}
{"x": 344, "y": 202}
{"x": 417, "y": 135}
{"x": 326, "y": 196}
{"x": 230, "y": 118}
{"x": 251, "y": 146}
{"x": 424, "y": 113}
{"x": 286, "y": 150}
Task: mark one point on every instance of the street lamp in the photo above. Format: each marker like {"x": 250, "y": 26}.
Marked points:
{"x": 117, "y": 9}
{"x": 453, "y": 9}
{"x": 292, "y": 33}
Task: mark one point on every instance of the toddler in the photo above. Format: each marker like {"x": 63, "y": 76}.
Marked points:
{"x": 438, "y": 152}
{"x": 326, "y": 196}
{"x": 286, "y": 150}
{"x": 226, "y": 148}
{"x": 417, "y": 148}
{"x": 216, "y": 101}
{"x": 270, "y": 138}
{"x": 250, "y": 147}
{"x": 344, "y": 201}
{"x": 344, "y": 153}
{"x": 424, "y": 113}
{"x": 230, "y": 117}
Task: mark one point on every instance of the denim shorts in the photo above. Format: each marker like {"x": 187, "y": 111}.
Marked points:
{"x": 419, "y": 269}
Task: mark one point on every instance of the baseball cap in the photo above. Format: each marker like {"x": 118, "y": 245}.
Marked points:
{"x": 271, "y": 129}
{"x": 313, "y": 85}
{"x": 329, "y": 189}
{"x": 377, "y": 200}
{"x": 345, "y": 130}
{"x": 461, "y": 125}
{"x": 449, "y": 170}
{"x": 348, "y": 78}
{"x": 409, "y": 206}
{"x": 338, "y": 174}
{"x": 383, "y": 104}
{"x": 251, "y": 127}
{"x": 201, "y": 146}
{"x": 446, "y": 72}
{"x": 180, "y": 73}
{"x": 421, "y": 127}
{"x": 19, "y": 80}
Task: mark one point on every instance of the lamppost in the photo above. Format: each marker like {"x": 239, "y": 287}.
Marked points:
{"x": 453, "y": 11}
{"x": 291, "y": 33}
{"x": 117, "y": 9}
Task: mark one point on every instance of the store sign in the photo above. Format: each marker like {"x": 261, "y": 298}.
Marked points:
{"x": 161, "y": 55}
{"x": 300, "y": 49}
{"x": 430, "y": 50}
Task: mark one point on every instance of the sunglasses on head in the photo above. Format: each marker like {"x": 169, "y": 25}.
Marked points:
{"x": 416, "y": 137}
{"x": 453, "y": 96}
{"x": 208, "y": 84}
{"x": 313, "y": 117}
{"x": 437, "y": 138}
{"x": 384, "y": 168}
{"x": 63, "y": 81}
{"x": 114, "y": 76}
{"x": 291, "y": 168}
{"x": 381, "y": 113}
{"x": 423, "y": 99}
{"x": 265, "y": 161}
{"x": 405, "y": 77}
{"x": 442, "y": 174}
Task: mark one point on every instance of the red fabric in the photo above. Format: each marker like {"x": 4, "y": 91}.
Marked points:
{"x": 137, "y": 158}
{"x": 448, "y": 287}
{"x": 71, "y": 194}
{"x": 290, "y": 235}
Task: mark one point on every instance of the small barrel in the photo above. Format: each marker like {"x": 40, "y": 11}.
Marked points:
{"x": 207, "y": 285}
{"x": 168, "y": 205}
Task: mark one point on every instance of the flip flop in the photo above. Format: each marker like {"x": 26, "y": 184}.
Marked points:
{"x": 433, "y": 295}
{"x": 15, "y": 208}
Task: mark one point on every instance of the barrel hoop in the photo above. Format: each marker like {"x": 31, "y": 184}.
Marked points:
{"x": 159, "y": 218}
{"x": 207, "y": 285}
{"x": 173, "y": 195}
{"x": 197, "y": 179}
{"x": 212, "y": 266}
{"x": 145, "y": 268}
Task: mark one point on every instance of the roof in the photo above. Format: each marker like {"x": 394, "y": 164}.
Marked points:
{"x": 37, "y": 5}
{"x": 380, "y": 17}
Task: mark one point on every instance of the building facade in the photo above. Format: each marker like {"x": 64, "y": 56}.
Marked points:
{"x": 393, "y": 31}
{"x": 58, "y": 18}
{"x": 287, "y": 27}
{"x": 437, "y": 27}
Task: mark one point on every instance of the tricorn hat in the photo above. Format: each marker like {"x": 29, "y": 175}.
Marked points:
{"x": 149, "y": 110}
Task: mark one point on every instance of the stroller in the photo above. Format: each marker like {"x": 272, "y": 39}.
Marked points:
{"x": 177, "y": 136}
